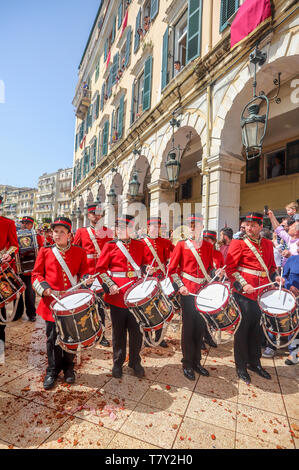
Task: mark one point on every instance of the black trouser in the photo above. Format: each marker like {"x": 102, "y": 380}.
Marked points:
{"x": 58, "y": 359}
{"x": 122, "y": 321}
{"x": 248, "y": 338}
{"x": 193, "y": 329}
{"x": 3, "y": 312}
{"x": 29, "y": 299}
{"x": 101, "y": 312}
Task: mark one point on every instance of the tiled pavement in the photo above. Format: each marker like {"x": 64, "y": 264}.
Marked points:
{"x": 162, "y": 410}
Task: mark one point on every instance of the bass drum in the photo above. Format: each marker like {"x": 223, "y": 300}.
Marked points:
{"x": 11, "y": 288}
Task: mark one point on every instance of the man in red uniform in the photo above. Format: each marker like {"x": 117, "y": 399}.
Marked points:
{"x": 8, "y": 247}
{"x": 92, "y": 239}
{"x": 55, "y": 269}
{"x": 160, "y": 249}
{"x": 250, "y": 264}
{"x": 27, "y": 224}
{"x": 211, "y": 237}
{"x": 47, "y": 237}
{"x": 190, "y": 264}
{"x": 125, "y": 260}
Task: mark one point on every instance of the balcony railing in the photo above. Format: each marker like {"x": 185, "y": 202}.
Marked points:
{"x": 83, "y": 103}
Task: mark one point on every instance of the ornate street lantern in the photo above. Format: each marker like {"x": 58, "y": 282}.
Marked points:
{"x": 173, "y": 159}
{"x": 111, "y": 196}
{"x": 134, "y": 184}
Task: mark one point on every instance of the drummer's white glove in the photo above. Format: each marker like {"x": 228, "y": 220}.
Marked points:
{"x": 183, "y": 290}
{"x": 248, "y": 289}
{"x": 113, "y": 290}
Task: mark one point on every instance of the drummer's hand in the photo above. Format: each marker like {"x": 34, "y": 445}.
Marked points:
{"x": 89, "y": 281}
{"x": 248, "y": 289}
{"x": 183, "y": 290}
{"x": 220, "y": 273}
{"x": 278, "y": 278}
{"x": 113, "y": 290}
{"x": 150, "y": 270}
{"x": 47, "y": 292}
{"x": 294, "y": 290}
{"x": 6, "y": 258}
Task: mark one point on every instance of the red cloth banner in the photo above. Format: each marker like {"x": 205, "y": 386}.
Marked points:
{"x": 250, "y": 14}
{"x": 108, "y": 58}
{"x": 83, "y": 142}
{"x": 125, "y": 22}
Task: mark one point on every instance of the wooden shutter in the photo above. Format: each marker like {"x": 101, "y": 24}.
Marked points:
{"x": 102, "y": 97}
{"x": 111, "y": 128}
{"x": 137, "y": 25}
{"x": 194, "y": 29}
{"x": 109, "y": 87}
{"x": 105, "y": 50}
{"x": 132, "y": 104}
{"x": 128, "y": 46}
{"x": 164, "y": 79}
{"x": 147, "y": 87}
{"x": 97, "y": 71}
{"x": 120, "y": 117}
{"x": 154, "y": 9}
{"x": 97, "y": 106}
{"x": 120, "y": 14}
{"x": 105, "y": 137}
{"x": 113, "y": 30}
{"x": 114, "y": 68}
{"x": 227, "y": 9}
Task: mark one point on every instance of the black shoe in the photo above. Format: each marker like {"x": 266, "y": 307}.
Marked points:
{"x": 201, "y": 370}
{"x": 138, "y": 370}
{"x": 243, "y": 375}
{"x": 260, "y": 371}
{"x": 203, "y": 346}
{"x": 104, "y": 342}
{"x": 163, "y": 344}
{"x": 117, "y": 372}
{"x": 69, "y": 376}
{"x": 288, "y": 362}
{"x": 211, "y": 342}
{"x": 189, "y": 373}
{"x": 33, "y": 319}
{"x": 49, "y": 381}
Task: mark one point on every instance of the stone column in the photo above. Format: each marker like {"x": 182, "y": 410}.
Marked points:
{"x": 224, "y": 191}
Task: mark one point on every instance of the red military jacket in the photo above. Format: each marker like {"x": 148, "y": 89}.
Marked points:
{"x": 163, "y": 248}
{"x": 82, "y": 238}
{"x": 47, "y": 272}
{"x": 47, "y": 241}
{"x": 218, "y": 260}
{"x": 240, "y": 255}
{"x": 183, "y": 260}
{"x": 112, "y": 259}
{"x": 8, "y": 237}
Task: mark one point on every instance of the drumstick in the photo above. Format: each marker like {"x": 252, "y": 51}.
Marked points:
{"x": 58, "y": 301}
{"x": 148, "y": 272}
{"x": 261, "y": 287}
{"x": 216, "y": 276}
{"x": 198, "y": 295}
{"x": 280, "y": 283}
{"x": 125, "y": 285}
{"x": 80, "y": 283}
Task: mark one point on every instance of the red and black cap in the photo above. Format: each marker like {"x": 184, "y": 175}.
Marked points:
{"x": 64, "y": 221}
{"x": 210, "y": 234}
{"x": 194, "y": 218}
{"x": 254, "y": 217}
{"x": 154, "y": 220}
{"x": 26, "y": 218}
{"x": 92, "y": 207}
{"x": 124, "y": 219}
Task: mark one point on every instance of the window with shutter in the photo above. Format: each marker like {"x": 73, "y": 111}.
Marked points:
{"x": 105, "y": 138}
{"x": 114, "y": 69}
{"x": 154, "y": 8}
{"x": 164, "y": 79}
{"x": 120, "y": 117}
{"x": 97, "y": 105}
{"x": 120, "y": 14}
{"x": 109, "y": 84}
{"x": 113, "y": 30}
{"x": 111, "y": 128}
{"x": 132, "y": 119}
{"x": 194, "y": 29}
{"x": 102, "y": 97}
{"x": 105, "y": 50}
{"x": 228, "y": 8}
{"x": 137, "y": 26}
{"x": 147, "y": 84}
{"x": 128, "y": 47}
{"x": 97, "y": 71}
{"x": 292, "y": 152}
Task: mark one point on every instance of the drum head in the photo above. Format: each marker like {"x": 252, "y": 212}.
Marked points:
{"x": 212, "y": 297}
{"x": 275, "y": 303}
{"x": 167, "y": 287}
{"x": 72, "y": 301}
{"x": 141, "y": 291}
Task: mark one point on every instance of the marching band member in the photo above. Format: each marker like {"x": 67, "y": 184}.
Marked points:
{"x": 211, "y": 237}
{"x": 190, "y": 264}
{"x": 124, "y": 258}
{"x": 8, "y": 247}
{"x": 27, "y": 223}
{"x": 92, "y": 239}
{"x": 250, "y": 264}
{"x": 47, "y": 237}
{"x": 160, "y": 249}
{"x": 55, "y": 270}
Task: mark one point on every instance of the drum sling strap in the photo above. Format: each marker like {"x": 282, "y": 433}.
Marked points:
{"x": 124, "y": 250}
{"x": 198, "y": 259}
{"x": 155, "y": 255}
{"x": 94, "y": 241}
{"x": 258, "y": 256}
{"x": 64, "y": 266}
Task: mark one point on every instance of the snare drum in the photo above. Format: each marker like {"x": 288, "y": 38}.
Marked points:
{"x": 28, "y": 250}
{"x": 218, "y": 306}
{"x": 148, "y": 303}
{"x": 78, "y": 323}
{"x": 167, "y": 288}
{"x": 10, "y": 285}
{"x": 279, "y": 311}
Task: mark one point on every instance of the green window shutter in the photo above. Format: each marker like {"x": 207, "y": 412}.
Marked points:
{"x": 111, "y": 128}
{"x": 97, "y": 106}
{"x": 120, "y": 117}
{"x": 102, "y": 97}
{"x": 164, "y": 80}
{"x": 147, "y": 88}
{"x": 120, "y": 14}
{"x": 227, "y": 9}
{"x": 194, "y": 29}
{"x": 128, "y": 46}
{"x": 113, "y": 30}
{"x": 154, "y": 9}
{"x": 89, "y": 117}
{"x": 74, "y": 176}
{"x": 99, "y": 147}
{"x": 114, "y": 68}
{"x": 97, "y": 71}
{"x": 105, "y": 50}
{"x": 93, "y": 153}
{"x": 132, "y": 104}
{"x": 105, "y": 137}
{"x": 137, "y": 25}
{"x": 76, "y": 142}
{"x": 109, "y": 87}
